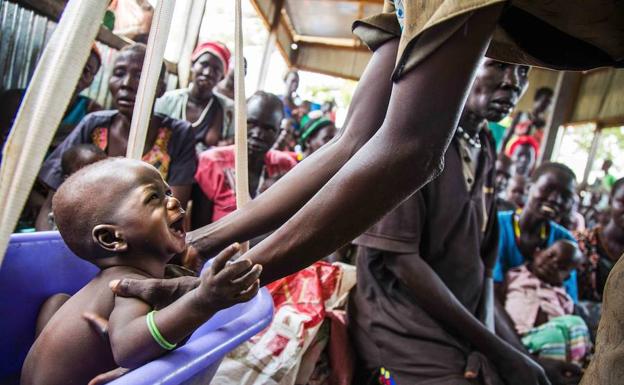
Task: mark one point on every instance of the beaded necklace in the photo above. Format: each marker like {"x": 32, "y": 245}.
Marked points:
{"x": 473, "y": 141}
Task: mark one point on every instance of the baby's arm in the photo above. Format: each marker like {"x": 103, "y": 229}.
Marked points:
{"x": 221, "y": 287}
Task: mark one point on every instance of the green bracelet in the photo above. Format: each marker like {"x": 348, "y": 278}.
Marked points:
{"x": 151, "y": 325}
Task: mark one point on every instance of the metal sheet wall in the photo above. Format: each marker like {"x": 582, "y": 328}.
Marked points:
{"x": 23, "y": 34}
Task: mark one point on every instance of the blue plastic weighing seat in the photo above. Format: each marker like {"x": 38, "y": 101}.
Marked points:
{"x": 38, "y": 265}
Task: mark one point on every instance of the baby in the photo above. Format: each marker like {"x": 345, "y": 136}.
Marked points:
{"x": 120, "y": 215}
{"x": 540, "y": 307}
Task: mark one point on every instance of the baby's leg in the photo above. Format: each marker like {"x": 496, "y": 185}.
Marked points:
{"x": 49, "y": 307}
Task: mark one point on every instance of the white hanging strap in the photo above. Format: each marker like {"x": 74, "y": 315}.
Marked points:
{"x": 152, "y": 65}
{"x": 240, "y": 118}
{"x": 44, "y": 104}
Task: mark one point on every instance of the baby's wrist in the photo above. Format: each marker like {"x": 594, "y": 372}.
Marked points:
{"x": 201, "y": 305}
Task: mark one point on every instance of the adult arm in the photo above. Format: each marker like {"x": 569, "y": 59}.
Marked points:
{"x": 401, "y": 157}
{"x": 432, "y": 295}
{"x": 281, "y": 201}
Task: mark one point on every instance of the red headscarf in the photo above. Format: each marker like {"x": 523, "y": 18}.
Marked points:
{"x": 522, "y": 140}
{"x": 215, "y": 48}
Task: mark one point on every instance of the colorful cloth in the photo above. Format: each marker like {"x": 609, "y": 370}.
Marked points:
{"x": 509, "y": 255}
{"x": 157, "y": 156}
{"x": 173, "y": 151}
{"x": 215, "y": 176}
{"x": 285, "y": 353}
{"x": 598, "y": 263}
{"x": 385, "y": 377}
{"x": 522, "y": 140}
{"x": 215, "y": 48}
{"x": 563, "y": 338}
{"x": 527, "y": 295}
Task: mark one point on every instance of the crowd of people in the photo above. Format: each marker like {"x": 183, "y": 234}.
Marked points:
{"x": 190, "y": 135}
{"x": 493, "y": 271}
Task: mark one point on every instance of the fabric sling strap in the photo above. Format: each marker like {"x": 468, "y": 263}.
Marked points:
{"x": 44, "y": 104}
{"x": 152, "y": 65}
{"x": 240, "y": 118}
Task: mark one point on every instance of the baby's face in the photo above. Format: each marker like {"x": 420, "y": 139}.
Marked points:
{"x": 149, "y": 216}
{"x": 554, "y": 264}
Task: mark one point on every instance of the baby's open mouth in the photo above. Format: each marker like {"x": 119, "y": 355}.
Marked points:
{"x": 177, "y": 227}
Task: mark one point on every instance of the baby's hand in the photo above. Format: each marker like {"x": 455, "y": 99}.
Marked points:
{"x": 224, "y": 285}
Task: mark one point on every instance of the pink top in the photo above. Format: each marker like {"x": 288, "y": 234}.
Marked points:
{"x": 215, "y": 175}
{"x": 526, "y": 295}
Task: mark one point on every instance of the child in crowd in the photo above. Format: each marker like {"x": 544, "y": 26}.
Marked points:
{"x": 74, "y": 159}
{"x": 120, "y": 215}
{"x": 541, "y": 309}
{"x": 79, "y": 156}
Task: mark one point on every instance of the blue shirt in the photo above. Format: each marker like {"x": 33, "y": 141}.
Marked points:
{"x": 509, "y": 255}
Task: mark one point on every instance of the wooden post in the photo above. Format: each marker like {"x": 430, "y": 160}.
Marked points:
{"x": 269, "y": 46}
{"x": 564, "y": 99}
{"x": 240, "y": 118}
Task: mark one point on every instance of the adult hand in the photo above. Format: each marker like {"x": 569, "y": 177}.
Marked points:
{"x": 478, "y": 366}
{"x": 156, "y": 292}
{"x": 226, "y": 284}
{"x": 519, "y": 369}
{"x": 561, "y": 373}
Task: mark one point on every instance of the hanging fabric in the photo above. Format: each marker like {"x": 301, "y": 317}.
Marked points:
{"x": 240, "y": 118}
{"x": 152, "y": 65}
{"x": 44, "y": 104}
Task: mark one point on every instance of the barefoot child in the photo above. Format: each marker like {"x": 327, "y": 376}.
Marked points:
{"x": 541, "y": 310}
{"x": 120, "y": 215}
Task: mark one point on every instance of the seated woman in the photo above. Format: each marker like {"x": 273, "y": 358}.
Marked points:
{"x": 603, "y": 246}
{"x": 168, "y": 145}
{"x": 210, "y": 114}
{"x": 540, "y": 308}
{"x": 523, "y": 233}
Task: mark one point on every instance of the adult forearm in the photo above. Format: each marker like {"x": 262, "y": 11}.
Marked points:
{"x": 290, "y": 193}
{"x": 402, "y": 156}
{"x": 431, "y": 294}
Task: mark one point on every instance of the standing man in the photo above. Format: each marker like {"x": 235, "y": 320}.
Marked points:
{"x": 418, "y": 309}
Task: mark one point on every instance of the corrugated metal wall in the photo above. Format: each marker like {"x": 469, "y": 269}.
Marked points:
{"x": 23, "y": 35}
{"x": 601, "y": 97}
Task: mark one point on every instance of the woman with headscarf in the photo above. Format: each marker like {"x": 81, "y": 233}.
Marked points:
{"x": 210, "y": 114}
{"x": 523, "y": 153}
